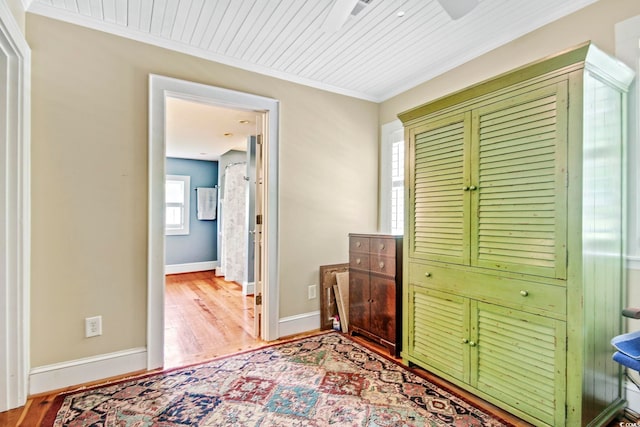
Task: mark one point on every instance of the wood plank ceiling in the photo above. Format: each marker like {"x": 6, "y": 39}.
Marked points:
{"x": 375, "y": 55}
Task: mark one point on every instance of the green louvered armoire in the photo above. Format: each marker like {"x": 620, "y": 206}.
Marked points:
{"x": 514, "y": 238}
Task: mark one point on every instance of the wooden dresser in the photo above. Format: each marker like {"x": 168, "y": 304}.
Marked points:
{"x": 375, "y": 288}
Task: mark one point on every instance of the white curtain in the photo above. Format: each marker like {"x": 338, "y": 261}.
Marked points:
{"x": 234, "y": 223}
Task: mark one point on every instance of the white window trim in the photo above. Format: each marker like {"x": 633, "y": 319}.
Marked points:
{"x": 184, "y": 230}
{"x": 388, "y": 134}
{"x": 628, "y": 50}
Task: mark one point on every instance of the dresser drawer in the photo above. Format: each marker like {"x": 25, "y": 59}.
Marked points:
{"x": 383, "y": 265}
{"x": 359, "y": 244}
{"x": 525, "y": 294}
{"x": 383, "y": 246}
{"x": 359, "y": 261}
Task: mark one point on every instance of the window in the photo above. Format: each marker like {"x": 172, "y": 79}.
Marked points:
{"x": 392, "y": 179}
{"x": 177, "y": 204}
{"x": 397, "y": 187}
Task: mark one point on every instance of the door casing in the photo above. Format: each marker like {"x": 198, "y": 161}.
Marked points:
{"x": 15, "y": 209}
{"x": 159, "y": 88}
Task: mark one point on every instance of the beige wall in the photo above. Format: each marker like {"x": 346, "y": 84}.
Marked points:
{"x": 17, "y": 9}
{"x": 89, "y": 182}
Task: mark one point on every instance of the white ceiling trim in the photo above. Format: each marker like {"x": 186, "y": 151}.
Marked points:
{"x": 43, "y": 9}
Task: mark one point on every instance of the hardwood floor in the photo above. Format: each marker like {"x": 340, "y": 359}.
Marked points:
{"x": 208, "y": 317}
{"x": 205, "y": 317}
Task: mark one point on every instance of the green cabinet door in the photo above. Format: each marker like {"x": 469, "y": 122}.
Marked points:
{"x": 519, "y": 359}
{"x": 439, "y": 331}
{"x": 519, "y": 178}
{"x": 439, "y": 220}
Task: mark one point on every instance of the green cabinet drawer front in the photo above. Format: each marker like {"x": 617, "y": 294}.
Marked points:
{"x": 520, "y": 360}
{"x": 439, "y": 326}
{"x": 523, "y": 294}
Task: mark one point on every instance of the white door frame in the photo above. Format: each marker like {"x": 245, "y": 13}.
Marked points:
{"x": 15, "y": 201}
{"x": 159, "y": 88}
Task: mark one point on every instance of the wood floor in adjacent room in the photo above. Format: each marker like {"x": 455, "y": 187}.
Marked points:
{"x": 205, "y": 317}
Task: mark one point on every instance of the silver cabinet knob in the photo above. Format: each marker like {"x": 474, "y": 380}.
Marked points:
{"x": 524, "y": 293}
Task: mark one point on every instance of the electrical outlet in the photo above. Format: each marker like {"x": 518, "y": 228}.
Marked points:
{"x": 92, "y": 326}
{"x": 313, "y": 289}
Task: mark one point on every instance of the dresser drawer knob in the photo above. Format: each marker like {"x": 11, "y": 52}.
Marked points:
{"x": 427, "y": 274}
{"x": 381, "y": 265}
{"x": 524, "y": 293}
{"x": 358, "y": 244}
{"x": 358, "y": 261}
{"x": 381, "y": 246}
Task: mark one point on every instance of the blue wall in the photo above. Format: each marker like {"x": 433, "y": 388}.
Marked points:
{"x": 201, "y": 243}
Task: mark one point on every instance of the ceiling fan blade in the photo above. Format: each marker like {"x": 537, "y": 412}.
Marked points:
{"x": 458, "y": 8}
{"x": 338, "y": 15}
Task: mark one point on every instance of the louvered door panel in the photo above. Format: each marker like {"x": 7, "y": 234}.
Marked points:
{"x": 519, "y": 204}
{"x": 439, "y": 224}
{"x": 520, "y": 360}
{"x": 440, "y": 322}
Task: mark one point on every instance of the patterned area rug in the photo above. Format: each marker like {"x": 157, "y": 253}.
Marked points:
{"x": 321, "y": 380}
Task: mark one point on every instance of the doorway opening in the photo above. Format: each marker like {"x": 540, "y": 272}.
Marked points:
{"x": 210, "y": 212}
{"x": 263, "y": 234}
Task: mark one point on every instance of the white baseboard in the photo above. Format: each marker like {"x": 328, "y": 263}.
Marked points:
{"x": 190, "y": 267}
{"x": 75, "y": 372}
{"x": 633, "y": 396}
{"x": 298, "y": 324}
{"x": 248, "y": 288}
{"x": 633, "y": 263}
